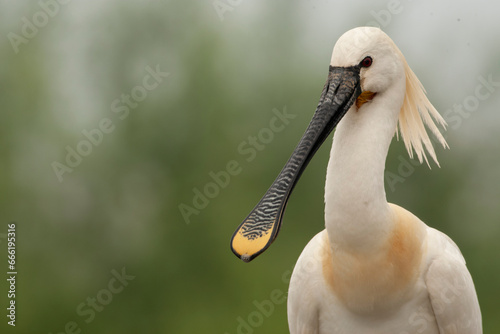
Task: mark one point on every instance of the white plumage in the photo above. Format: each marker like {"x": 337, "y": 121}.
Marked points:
{"x": 377, "y": 268}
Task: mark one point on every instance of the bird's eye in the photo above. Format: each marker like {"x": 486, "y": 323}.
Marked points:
{"x": 366, "y": 62}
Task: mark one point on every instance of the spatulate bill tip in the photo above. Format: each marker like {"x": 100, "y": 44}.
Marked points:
{"x": 248, "y": 248}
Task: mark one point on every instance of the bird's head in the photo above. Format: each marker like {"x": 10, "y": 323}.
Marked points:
{"x": 373, "y": 53}
{"x": 383, "y": 70}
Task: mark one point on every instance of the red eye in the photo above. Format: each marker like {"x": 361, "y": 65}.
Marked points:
{"x": 366, "y": 62}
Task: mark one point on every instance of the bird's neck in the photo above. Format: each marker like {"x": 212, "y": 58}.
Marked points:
{"x": 357, "y": 214}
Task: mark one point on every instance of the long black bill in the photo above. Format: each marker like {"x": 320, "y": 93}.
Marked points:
{"x": 261, "y": 227}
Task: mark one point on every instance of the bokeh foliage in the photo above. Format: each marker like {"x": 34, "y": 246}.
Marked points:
{"x": 120, "y": 206}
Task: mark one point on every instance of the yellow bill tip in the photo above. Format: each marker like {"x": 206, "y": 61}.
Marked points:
{"x": 248, "y": 247}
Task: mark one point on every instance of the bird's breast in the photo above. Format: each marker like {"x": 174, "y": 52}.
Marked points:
{"x": 382, "y": 278}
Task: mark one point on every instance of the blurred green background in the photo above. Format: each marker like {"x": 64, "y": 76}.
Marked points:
{"x": 69, "y": 68}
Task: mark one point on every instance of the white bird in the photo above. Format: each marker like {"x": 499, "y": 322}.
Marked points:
{"x": 376, "y": 268}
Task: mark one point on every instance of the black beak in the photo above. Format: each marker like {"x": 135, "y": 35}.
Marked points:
{"x": 261, "y": 227}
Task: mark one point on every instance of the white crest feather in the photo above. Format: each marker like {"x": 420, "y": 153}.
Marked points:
{"x": 415, "y": 112}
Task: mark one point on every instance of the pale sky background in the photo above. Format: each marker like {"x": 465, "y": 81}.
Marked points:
{"x": 447, "y": 43}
